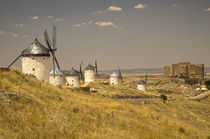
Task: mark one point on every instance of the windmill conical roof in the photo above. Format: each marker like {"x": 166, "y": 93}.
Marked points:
{"x": 141, "y": 82}
{"x": 89, "y": 67}
{"x": 73, "y": 72}
{"x": 36, "y": 49}
{"x": 114, "y": 74}
{"x": 56, "y": 71}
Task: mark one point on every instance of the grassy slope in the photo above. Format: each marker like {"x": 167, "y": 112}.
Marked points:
{"x": 40, "y": 110}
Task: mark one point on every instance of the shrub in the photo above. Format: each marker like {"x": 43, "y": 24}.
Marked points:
{"x": 75, "y": 109}
{"x": 163, "y": 97}
{"x": 181, "y": 130}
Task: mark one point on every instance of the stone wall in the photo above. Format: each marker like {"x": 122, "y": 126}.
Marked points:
{"x": 38, "y": 66}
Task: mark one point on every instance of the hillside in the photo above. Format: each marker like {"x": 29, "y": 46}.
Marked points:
{"x": 33, "y": 109}
{"x": 146, "y": 70}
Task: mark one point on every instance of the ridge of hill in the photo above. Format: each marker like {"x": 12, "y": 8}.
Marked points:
{"x": 30, "y": 108}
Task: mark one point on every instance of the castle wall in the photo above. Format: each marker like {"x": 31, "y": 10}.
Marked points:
{"x": 114, "y": 80}
{"x": 73, "y": 80}
{"x": 38, "y": 66}
{"x": 185, "y": 69}
{"x": 57, "y": 80}
{"x": 89, "y": 76}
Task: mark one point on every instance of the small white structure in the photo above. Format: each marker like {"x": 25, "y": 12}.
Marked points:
{"x": 141, "y": 85}
{"x": 114, "y": 78}
{"x": 56, "y": 77}
{"x": 36, "y": 61}
{"x": 89, "y": 74}
{"x": 72, "y": 78}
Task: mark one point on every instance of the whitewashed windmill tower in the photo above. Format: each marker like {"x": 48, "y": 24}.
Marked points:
{"x": 89, "y": 73}
{"x": 56, "y": 76}
{"x": 73, "y": 78}
{"x": 141, "y": 85}
{"x": 35, "y": 61}
{"x": 114, "y": 78}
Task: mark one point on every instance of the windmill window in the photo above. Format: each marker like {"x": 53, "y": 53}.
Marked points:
{"x": 33, "y": 58}
{"x": 44, "y": 58}
{"x": 72, "y": 81}
{"x": 33, "y": 69}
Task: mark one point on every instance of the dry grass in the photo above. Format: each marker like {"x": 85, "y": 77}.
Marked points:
{"x": 40, "y": 110}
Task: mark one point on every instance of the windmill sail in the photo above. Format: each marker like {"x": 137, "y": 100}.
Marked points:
{"x": 96, "y": 68}
{"x": 120, "y": 75}
{"x": 54, "y": 38}
{"x": 14, "y": 61}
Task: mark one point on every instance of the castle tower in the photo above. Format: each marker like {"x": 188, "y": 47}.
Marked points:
{"x": 36, "y": 61}
{"x": 114, "y": 78}
{"x": 141, "y": 85}
{"x": 56, "y": 77}
{"x": 72, "y": 78}
{"x": 89, "y": 74}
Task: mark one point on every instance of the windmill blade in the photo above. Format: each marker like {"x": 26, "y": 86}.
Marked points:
{"x": 120, "y": 75}
{"x": 14, "y": 61}
{"x": 80, "y": 70}
{"x": 96, "y": 67}
{"x": 54, "y": 37}
{"x": 146, "y": 78}
{"x": 56, "y": 61}
{"x": 47, "y": 40}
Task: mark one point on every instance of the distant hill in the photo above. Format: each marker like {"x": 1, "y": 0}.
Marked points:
{"x": 146, "y": 70}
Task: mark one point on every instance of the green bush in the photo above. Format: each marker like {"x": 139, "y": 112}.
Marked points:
{"x": 163, "y": 97}
{"x": 181, "y": 130}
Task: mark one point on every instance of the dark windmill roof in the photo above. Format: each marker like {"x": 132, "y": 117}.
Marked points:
{"x": 89, "y": 67}
{"x": 56, "y": 71}
{"x": 36, "y": 49}
{"x": 73, "y": 72}
{"x": 141, "y": 82}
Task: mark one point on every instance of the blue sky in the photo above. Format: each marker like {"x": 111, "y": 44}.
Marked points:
{"x": 128, "y": 33}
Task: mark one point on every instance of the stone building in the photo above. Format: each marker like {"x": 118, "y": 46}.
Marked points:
{"x": 72, "y": 78}
{"x": 89, "y": 73}
{"x": 184, "y": 70}
{"x": 56, "y": 77}
{"x": 114, "y": 78}
{"x": 36, "y": 61}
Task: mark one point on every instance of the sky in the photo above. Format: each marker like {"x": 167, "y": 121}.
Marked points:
{"x": 125, "y": 33}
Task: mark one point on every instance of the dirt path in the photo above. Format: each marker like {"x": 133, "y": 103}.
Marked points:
{"x": 201, "y": 96}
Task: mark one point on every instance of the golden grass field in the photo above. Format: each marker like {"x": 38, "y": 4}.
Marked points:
{"x": 33, "y": 109}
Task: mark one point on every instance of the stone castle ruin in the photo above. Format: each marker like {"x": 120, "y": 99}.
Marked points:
{"x": 184, "y": 70}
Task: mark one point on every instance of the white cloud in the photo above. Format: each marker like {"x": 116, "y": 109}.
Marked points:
{"x": 1, "y": 32}
{"x": 114, "y": 8}
{"x": 207, "y": 10}
{"x": 175, "y": 5}
{"x": 107, "y": 24}
{"x": 19, "y": 25}
{"x": 50, "y": 17}
{"x": 24, "y": 36}
{"x": 33, "y": 17}
{"x": 58, "y": 19}
{"x": 76, "y": 25}
{"x": 14, "y": 35}
{"x": 90, "y": 22}
{"x": 140, "y": 6}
